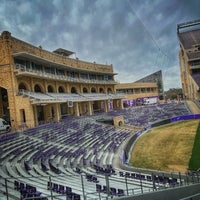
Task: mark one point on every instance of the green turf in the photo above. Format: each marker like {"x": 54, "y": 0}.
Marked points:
{"x": 166, "y": 148}
{"x": 194, "y": 163}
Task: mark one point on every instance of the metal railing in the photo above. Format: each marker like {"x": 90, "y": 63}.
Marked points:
{"x": 22, "y": 69}
{"x": 86, "y": 189}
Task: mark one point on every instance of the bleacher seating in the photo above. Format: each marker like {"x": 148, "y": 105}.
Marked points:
{"x": 76, "y": 151}
{"x": 146, "y": 115}
{"x": 196, "y": 77}
{"x": 28, "y": 191}
{"x": 189, "y": 38}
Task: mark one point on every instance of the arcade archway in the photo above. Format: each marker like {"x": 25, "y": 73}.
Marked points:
{"x": 4, "y": 105}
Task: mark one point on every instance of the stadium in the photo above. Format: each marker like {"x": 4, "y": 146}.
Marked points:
{"x": 59, "y": 146}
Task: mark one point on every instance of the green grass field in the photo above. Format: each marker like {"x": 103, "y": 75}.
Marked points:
{"x": 167, "y": 148}
{"x": 194, "y": 163}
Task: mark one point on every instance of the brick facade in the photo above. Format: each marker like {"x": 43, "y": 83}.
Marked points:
{"x": 19, "y": 109}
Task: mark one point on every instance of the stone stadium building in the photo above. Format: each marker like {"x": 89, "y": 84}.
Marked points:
{"x": 189, "y": 58}
{"x": 148, "y": 90}
{"x": 78, "y": 158}
{"x": 155, "y": 77}
{"x": 137, "y": 94}
{"x": 38, "y": 86}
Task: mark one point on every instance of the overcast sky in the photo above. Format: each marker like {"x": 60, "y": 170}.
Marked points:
{"x": 137, "y": 36}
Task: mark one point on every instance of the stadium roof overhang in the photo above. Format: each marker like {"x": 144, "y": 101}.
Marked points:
{"x": 63, "y": 52}
{"x": 187, "y": 25}
{"x": 51, "y": 98}
{"x": 188, "y": 35}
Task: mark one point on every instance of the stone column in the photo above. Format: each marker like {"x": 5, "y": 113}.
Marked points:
{"x": 90, "y": 110}
{"x": 81, "y": 108}
{"x": 57, "y": 112}
{"x": 1, "y": 105}
{"x": 105, "y": 105}
{"x": 108, "y": 105}
{"x": 121, "y": 104}
{"x": 76, "y": 109}
{"x": 36, "y": 116}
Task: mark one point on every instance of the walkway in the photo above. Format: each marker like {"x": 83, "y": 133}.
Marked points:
{"x": 193, "y": 107}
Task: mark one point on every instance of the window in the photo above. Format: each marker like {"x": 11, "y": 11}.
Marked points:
{"x": 52, "y": 112}
{"x": 85, "y": 90}
{"x": 92, "y": 77}
{"x": 110, "y": 78}
{"x": 19, "y": 61}
{"x": 100, "y": 77}
{"x": 23, "y": 116}
{"x": 37, "y": 88}
{"x": 60, "y": 72}
{"x": 101, "y": 90}
{"x": 61, "y": 89}
{"x": 50, "y": 70}
{"x": 50, "y": 89}
{"x": 37, "y": 67}
{"x": 22, "y": 86}
{"x": 93, "y": 90}
{"x": 109, "y": 91}
{"x": 73, "y": 90}
{"x": 84, "y": 76}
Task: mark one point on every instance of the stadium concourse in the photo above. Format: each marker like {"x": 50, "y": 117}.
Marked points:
{"x": 79, "y": 158}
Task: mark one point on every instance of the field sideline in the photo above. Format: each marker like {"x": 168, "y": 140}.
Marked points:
{"x": 166, "y": 148}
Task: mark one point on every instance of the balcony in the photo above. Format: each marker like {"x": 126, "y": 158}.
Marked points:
{"x": 22, "y": 70}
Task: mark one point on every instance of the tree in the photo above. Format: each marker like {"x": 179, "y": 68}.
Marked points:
{"x": 174, "y": 93}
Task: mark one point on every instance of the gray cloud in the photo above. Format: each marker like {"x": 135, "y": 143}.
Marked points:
{"x": 137, "y": 37}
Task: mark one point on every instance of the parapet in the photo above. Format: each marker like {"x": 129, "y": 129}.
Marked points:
{"x": 5, "y": 35}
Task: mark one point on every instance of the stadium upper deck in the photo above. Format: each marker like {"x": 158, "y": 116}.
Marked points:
{"x": 189, "y": 57}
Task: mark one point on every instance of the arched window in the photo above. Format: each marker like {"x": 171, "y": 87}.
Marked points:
{"x": 61, "y": 89}
{"x": 120, "y": 123}
{"x": 73, "y": 90}
{"x": 50, "y": 89}
{"x": 22, "y": 86}
{"x": 37, "y": 88}
{"x": 101, "y": 90}
{"x": 93, "y": 90}
{"x": 85, "y": 90}
{"x": 109, "y": 91}
{"x": 4, "y": 106}
{"x": 4, "y": 94}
